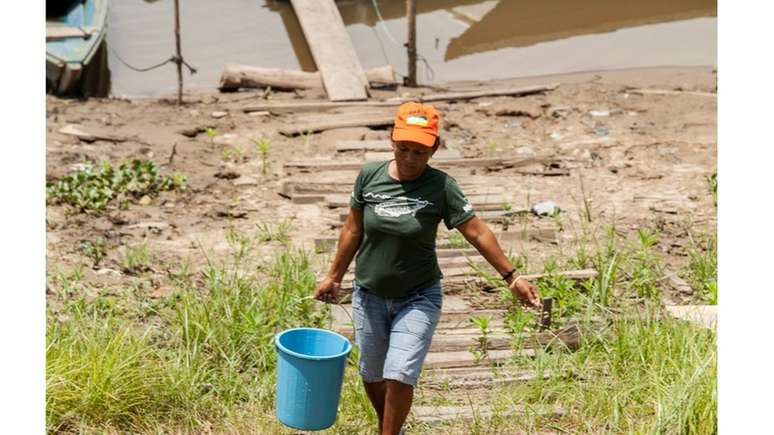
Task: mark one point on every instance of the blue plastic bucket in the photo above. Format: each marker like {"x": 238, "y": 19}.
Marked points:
{"x": 310, "y": 371}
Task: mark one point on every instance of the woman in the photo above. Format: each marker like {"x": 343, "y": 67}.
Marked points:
{"x": 395, "y": 210}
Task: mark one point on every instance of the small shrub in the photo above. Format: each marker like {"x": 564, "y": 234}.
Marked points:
{"x": 89, "y": 191}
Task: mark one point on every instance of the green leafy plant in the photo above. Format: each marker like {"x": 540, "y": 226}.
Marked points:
{"x": 703, "y": 265}
{"x": 712, "y": 187}
{"x": 233, "y": 154}
{"x": 90, "y": 191}
{"x": 480, "y": 350}
{"x": 263, "y": 148}
{"x": 211, "y": 133}
{"x": 96, "y": 250}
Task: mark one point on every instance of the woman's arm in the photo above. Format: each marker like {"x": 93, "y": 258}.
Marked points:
{"x": 483, "y": 239}
{"x": 349, "y": 242}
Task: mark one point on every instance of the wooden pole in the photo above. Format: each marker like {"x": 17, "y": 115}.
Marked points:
{"x": 411, "y": 12}
{"x": 179, "y": 59}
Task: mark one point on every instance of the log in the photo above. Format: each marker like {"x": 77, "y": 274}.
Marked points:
{"x": 236, "y": 77}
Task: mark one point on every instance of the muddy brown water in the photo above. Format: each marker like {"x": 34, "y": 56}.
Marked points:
{"x": 457, "y": 39}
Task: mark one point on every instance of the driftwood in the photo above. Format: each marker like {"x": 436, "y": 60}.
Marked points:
{"x": 235, "y": 77}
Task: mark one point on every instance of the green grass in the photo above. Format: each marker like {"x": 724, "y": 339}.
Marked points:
{"x": 136, "y": 258}
{"x": 702, "y": 269}
{"x": 273, "y": 232}
{"x": 202, "y": 356}
{"x": 202, "y": 359}
{"x": 86, "y": 190}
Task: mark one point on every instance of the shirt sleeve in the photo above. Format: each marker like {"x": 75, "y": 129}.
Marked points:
{"x": 457, "y": 209}
{"x": 356, "y": 199}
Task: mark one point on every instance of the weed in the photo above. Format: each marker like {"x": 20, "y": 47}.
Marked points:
{"x": 211, "y": 133}
{"x": 96, "y": 250}
{"x": 481, "y": 348}
{"x": 234, "y": 154}
{"x": 712, "y": 187}
{"x": 703, "y": 265}
{"x": 267, "y": 232}
{"x": 263, "y": 148}
{"x": 136, "y": 259}
{"x": 89, "y": 191}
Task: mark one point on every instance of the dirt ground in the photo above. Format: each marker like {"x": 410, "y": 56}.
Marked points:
{"x": 641, "y": 158}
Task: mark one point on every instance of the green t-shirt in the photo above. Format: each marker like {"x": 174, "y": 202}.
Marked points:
{"x": 400, "y": 218}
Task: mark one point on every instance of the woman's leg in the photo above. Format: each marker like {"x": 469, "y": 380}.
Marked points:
{"x": 376, "y": 392}
{"x": 411, "y": 334}
{"x": 372, "y": 334}
{"x": 397, "y": 404}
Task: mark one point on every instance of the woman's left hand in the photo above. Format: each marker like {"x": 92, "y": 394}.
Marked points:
{"x": 525, "y": 291}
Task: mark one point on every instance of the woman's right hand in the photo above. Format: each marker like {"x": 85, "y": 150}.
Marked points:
{"x": 327, "y": 290}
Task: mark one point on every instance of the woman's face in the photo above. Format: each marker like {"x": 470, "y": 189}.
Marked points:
{"x": 411, "y": 158}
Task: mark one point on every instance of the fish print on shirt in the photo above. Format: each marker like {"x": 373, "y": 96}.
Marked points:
{"x": 397, "y": 206}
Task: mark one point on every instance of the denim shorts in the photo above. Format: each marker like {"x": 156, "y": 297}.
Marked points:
{"x": 394, "y": 335}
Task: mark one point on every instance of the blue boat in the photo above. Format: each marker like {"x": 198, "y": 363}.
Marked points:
{"x": 76, "y": 58}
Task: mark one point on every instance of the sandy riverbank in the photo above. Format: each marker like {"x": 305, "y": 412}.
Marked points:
{"x": 642, "y": 159}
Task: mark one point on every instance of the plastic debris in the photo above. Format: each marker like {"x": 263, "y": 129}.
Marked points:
{"x": 546, "y": 208}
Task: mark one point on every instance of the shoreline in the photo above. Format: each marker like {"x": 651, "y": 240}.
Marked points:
{"x": 649, "y": 73}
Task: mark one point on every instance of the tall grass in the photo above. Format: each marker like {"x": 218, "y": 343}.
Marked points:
{"x": 205, "y": 359}
{"x": 202, "y": 360}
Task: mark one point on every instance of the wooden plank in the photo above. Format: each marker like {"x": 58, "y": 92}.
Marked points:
{"x": 236, "y": 77}
{"x": 477, "y": 377}
{"x": 671, "y": 92}
{"x": 363, "y": 145}
{"x": 344, "y": 120}
{"x": 331, "y": 49}
{"x": 321, "y": 165}
{"x": 313, "y": 106}
{"x": 459, "y": 279}
{"x": 512, "y": 92}
{"x": 464, "y": 358}
{"x": 389, "y": 155}
{"x": 440, "y": 414}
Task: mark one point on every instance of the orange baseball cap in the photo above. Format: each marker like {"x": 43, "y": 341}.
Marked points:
{"x": 416, "y": 122}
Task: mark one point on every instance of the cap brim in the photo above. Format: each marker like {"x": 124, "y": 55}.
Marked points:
{"x": 420, "y": 137}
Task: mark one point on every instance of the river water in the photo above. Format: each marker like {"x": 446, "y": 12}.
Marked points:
{"x": 456, "y": 39}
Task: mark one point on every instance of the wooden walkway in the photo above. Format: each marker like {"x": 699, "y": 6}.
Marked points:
{"x": 332, "y": 49}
